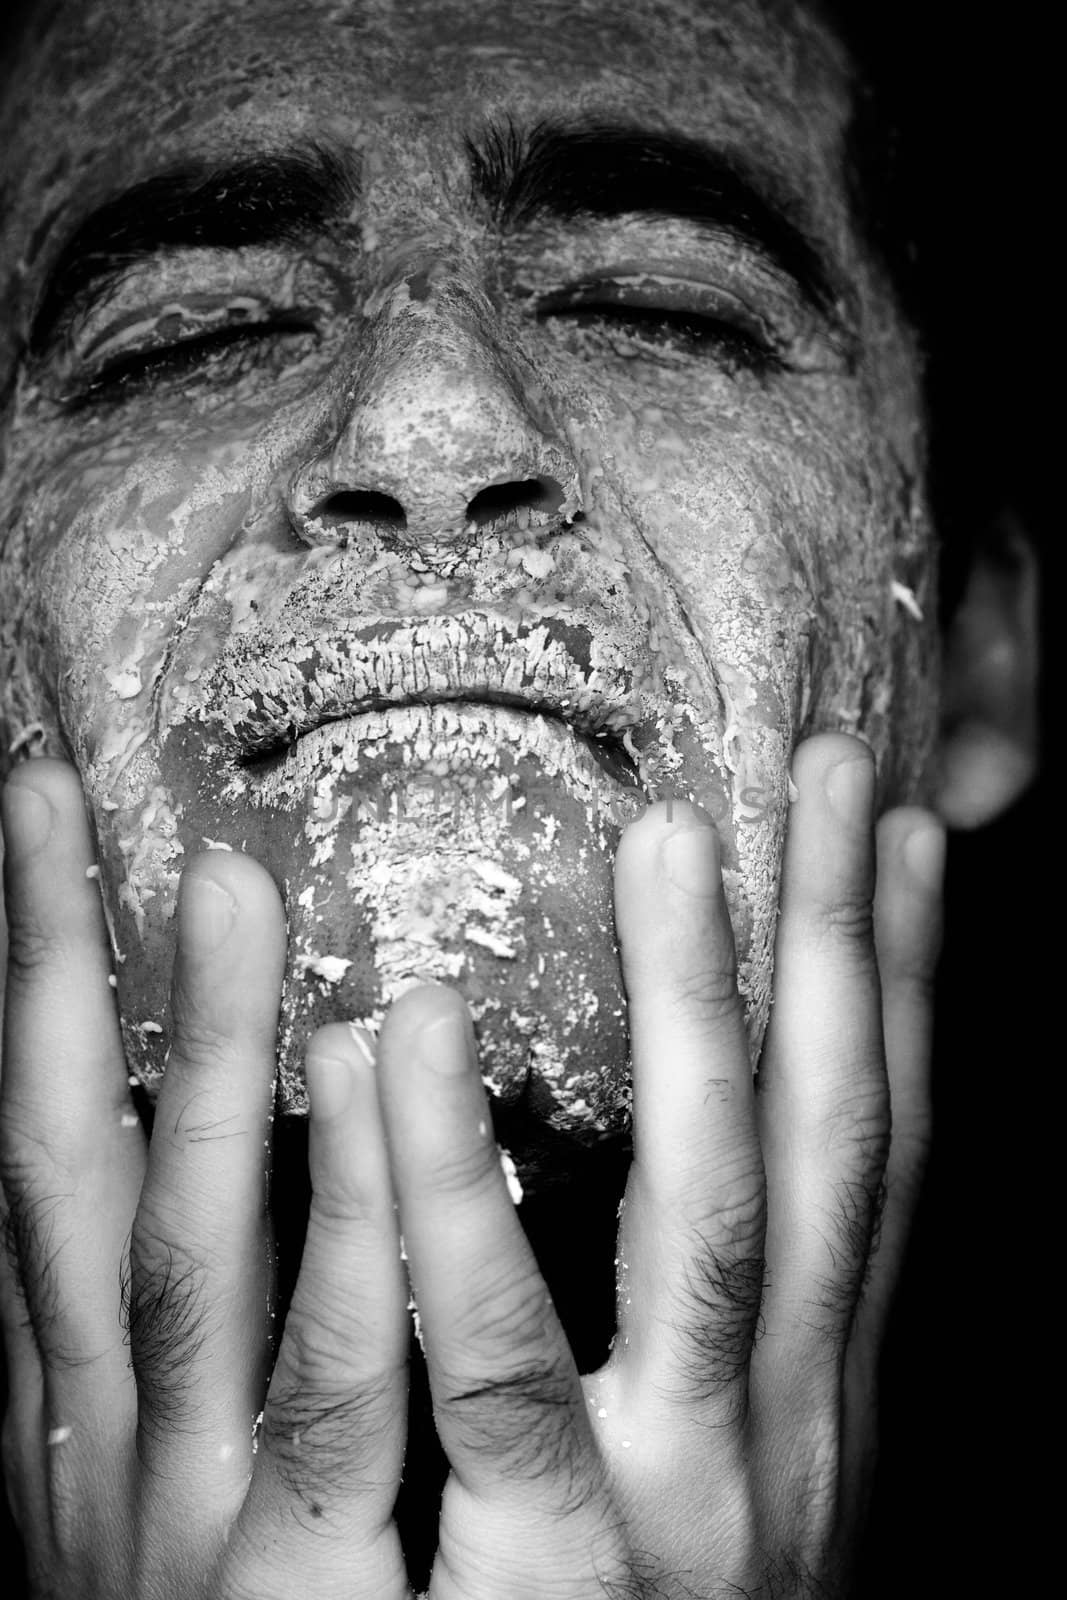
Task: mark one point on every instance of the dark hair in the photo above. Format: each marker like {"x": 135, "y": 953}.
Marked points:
{"x": 939, "y": 175}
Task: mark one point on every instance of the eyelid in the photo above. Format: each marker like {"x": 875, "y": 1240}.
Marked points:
{"x": 778, "y": 323}
{"x": 199, "y": 283}
{"x": 658, "y": 291}
{"x": 128, "y": 371}
{"x": 188, "y": 320}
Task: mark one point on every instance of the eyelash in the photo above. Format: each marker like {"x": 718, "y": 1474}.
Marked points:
{"x": 697, "y": 333}
{"x": 638, "y": 307}
{"x": 597, "y": 306}
{"x": 136, "y": 370}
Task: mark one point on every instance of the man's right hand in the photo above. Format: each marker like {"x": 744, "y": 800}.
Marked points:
{"x": 137, "y": 1319}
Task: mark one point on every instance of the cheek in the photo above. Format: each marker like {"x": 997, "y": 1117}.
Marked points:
{"x": 778, "y": 564}
{"x": 120, "y": 582}
{"x": 113, "y": 526}
{"x": 804, "y": 564}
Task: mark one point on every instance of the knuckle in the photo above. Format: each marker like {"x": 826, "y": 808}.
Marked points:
{"x": 511, "y": 1396}
{"x": 15, "y": 1453}
{"x": 910, "y": 971}
{"x": 29, "y": 1162}
{"x": 464, "y": 1170}
{"x": 198, "y": 1043}
{"x": 739, "y": 1224}
{"x": 725, "y": 1203}
{"x": 720, "y": 1318}
{"x": 706, "y": 996}
{"x": 33, "y": 950}
{"x": 847, "y": 921}
{"x": 910, "y": 1146}
{"x": 850, "y": 1234}
{"x": 341, "y": 1203}
{"x": 167, "y": 1318}
{"x": 524, "y": 1417}
{"x": 323, "y": 1439}
{"x": 317, "y": 1350}
{"x": 33, "y": 1245}
{"x": 507, "y": 1312}
{"x": 858, "y": 1128}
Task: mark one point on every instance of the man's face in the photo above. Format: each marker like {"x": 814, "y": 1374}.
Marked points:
{"x": 488, "y": 415}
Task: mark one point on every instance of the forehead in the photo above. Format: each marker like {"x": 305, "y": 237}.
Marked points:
{"x": 143, "y": 83}
{"x": 689, "y": 47}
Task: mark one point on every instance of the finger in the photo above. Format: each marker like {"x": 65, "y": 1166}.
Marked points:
{"x": 199, "y": 1280}
{"x": 332, "y": 1442}
{"x": 824, "y": 1095}
{"x": 693, "y": 1224}
{"x": 507, "y": 1399}
{"x": 72, "y": 1149}
{"x": 22, "y": 1380}
{"x": 907, "y": 926}
{"x": 22, "y": 1399}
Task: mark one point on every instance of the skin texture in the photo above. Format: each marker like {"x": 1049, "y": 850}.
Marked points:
{"x": 723, "y": 1446}
{"x": 185, "y": 592}
{"x": 725, "y": 549}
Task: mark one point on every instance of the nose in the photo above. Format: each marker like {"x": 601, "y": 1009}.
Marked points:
{"x": 435, "y": 440}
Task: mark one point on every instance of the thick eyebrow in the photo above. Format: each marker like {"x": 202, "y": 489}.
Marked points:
{"x": 261, "y": 200}
{"x": 556, "y": 169}
{"x": 593, "y": 168}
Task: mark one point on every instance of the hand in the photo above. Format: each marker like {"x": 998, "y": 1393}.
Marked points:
{"x": 726, "y": 1444}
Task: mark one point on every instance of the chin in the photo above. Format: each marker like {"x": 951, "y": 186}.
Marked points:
{"x": 463, "y": 842}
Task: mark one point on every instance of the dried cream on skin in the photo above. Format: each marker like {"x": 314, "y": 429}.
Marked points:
{"x": 712, "y": 573}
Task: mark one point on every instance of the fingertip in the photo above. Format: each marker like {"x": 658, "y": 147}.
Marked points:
{"x": 907, "y": 908}
{"x": 917, "y": 839}
{"x": 339, "y": 1054}
{"x": 219, "y": 890}
{"x": 669, "y": 815}
{"x": 230, "y": 957}
{"x": 36, "y": 796}
{"x": 28, "y": 819}
{"x": 330, "y": 1080}
{"x": 830, "y": 849}
{"x": 241, "y": 876}
{"x": 423, "y": 1006}
{"x": 57, "y": 780}
{"x": 924, "y": 852}
{"x": 818, "y": 755}
{"x": 676, "y": 836}
{"x": 207, "y": 912}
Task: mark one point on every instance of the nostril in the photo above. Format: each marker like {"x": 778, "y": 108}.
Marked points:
{"x": 530, "y": 494}
{"x": 361, "y": 505}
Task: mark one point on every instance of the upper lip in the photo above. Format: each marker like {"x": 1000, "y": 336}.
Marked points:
{"x": 263, "y": 699}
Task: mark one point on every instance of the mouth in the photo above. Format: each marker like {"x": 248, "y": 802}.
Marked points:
{"x": 552, "y": 671}
{"x": 607, "y": 750}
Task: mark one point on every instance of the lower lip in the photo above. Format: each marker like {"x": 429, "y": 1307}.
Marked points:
{"x": 448, "y": 739}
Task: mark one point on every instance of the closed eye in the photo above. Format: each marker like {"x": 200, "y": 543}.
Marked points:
{"x": 654, "y": 313}
{"x": 132, "y": 371}
{"x": 684, "y": 330}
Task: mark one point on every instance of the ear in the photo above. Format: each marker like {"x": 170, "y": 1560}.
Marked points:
{"x": 989, "y": 740}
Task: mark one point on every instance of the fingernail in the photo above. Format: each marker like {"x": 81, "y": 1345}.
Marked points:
{"x": 924, "y": 853}
{"x": 849, "y": 787}
{"x": 329, "y": 1084}
{"x": 690, "y": 857}
{"x": 207, "y": 912}
{"x": 28, "y": 818}
{"x": 447, "y": 1045}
